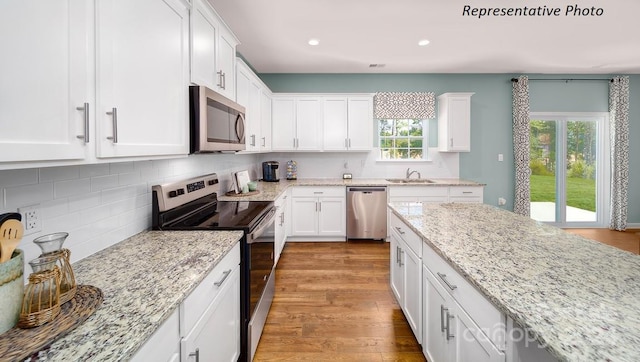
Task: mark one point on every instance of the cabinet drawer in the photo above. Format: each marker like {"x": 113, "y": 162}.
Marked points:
{"x": 485, "y": 314}
{"x": 405, "y": 233}
{"x": 196, "y": 303}
{"x": 306, "y": 191}
{"x": 418, "y": 191}
{"x": 465, "y": 191}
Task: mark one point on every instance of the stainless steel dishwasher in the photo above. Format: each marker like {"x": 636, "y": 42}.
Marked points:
{"x": 366, "y": 212}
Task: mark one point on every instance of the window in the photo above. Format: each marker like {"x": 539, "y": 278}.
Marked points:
{"x": 402, "y": 139}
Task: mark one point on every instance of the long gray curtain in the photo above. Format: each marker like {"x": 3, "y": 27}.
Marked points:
{"x": 521, "y": 201}
{"x": 619, "y": 133}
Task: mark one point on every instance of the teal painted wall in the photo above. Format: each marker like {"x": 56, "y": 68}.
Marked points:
{"x": 491, "y": 122}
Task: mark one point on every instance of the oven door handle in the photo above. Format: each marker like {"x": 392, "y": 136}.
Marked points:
{"x": 269, "y": 219}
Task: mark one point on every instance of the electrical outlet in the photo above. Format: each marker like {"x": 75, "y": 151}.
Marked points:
{"x": 502, "y": 201}
{"x": 31, "y": 219}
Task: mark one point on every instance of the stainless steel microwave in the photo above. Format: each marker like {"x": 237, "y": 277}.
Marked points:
{"x": 216, "y": 122}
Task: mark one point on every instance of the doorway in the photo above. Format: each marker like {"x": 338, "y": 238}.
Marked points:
{"x": 569, "y": 161}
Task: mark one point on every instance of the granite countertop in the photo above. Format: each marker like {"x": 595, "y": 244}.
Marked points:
{"x": 270, "y": 191}
{"x": 579, "y": 297}
{"x": 143, "y": 279}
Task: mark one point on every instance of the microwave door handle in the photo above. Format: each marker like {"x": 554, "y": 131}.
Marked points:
{"x": 240, "y": 127}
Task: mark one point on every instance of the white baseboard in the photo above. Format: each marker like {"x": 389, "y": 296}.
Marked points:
{"x": 634, "y": 225}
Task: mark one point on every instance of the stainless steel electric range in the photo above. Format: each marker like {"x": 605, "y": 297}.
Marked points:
{"x": 193, "y": 205}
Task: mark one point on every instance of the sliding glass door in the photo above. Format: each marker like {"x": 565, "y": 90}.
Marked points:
{"x": 568, "y": 168}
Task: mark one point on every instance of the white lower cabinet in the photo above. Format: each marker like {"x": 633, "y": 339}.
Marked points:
{"x": 318, "y": 212}
{"x": 405, "y": 274}
{"x": 280, "y": 232}
{"x": 436, "y": 194}
{"x": 164, "y": 344}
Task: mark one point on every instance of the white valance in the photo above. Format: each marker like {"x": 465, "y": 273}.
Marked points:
{"x": 401, "y": 105}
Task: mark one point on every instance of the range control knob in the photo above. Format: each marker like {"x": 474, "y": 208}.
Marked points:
{"x": 213, "y": 182}
{"x": 173, "y": 193}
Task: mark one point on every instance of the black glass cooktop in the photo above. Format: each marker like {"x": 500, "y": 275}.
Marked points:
{"x": 229, "y": 215}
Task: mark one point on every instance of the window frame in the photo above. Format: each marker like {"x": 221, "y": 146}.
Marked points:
{"x": 424, "y": 138}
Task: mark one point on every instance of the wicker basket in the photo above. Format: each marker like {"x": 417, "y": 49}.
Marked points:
{"x": 41, "y": 302}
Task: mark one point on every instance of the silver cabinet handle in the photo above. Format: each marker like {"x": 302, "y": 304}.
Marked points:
{"x": 401, "y": 253}
{"x": 224, "y": 81}
{"x": 297, "y": 142}
{"x": 346, "y": 143}
{"x": 85, "y": 109}
{"x": 444, "y": 279}
{"x": 294, "y": 143}
{"x": 114, "y": 120}
{"x": 349, "y": 142}
{"x": 253, "y": 140}
{"x": 442, "y": 312}
{"x": 225, "y": 275}
{"x": 467, "y": 192}
{"x": 318, "y": 192}
{"x": 448, "y": 328}
{"x": 196, "y": 354}
{"x": 399, "y": 230}
{"x": 451, "y": 142}
{"x": 220, "y": 85}
{"x": 282, "y": 219}
{"x": 316, "y": 206}
{"x": 397, "y": 255}
{"x": 264, "y": 141}
{"x": 320, "y": 206}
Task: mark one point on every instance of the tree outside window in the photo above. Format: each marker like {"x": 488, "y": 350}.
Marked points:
{"x": 402, "y": 139}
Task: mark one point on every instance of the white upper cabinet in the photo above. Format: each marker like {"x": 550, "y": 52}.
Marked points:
{"x": 296, "y": 123}
{"x": 45, "y": 77}
{"x": 256, "y": 98}
{"x": 142, "y": 72}
{"x": 454, "y": 122}
{"x": 213, "y": 51}
{"x": 341, "y": 122}
{"x": 105, "y": 84}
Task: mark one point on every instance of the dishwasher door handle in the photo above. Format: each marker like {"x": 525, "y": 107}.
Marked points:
{"x": 367, "y": 190}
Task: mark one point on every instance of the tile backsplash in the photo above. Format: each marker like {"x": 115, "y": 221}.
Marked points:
{"x": 102, "y": 204}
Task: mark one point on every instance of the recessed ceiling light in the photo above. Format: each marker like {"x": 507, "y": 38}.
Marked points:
{"x": 423, "y": 42}
{"x": 314, "y": 41}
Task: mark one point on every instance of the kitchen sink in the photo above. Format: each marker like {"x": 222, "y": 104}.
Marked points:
{"x": 410, "y": 181}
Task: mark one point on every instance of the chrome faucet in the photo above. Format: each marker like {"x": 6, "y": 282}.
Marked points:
{"x": 409, "y": 173}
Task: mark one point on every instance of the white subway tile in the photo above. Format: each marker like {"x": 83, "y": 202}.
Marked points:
{"x": 120, "y": 167}
{"x": 125, "y": 179}
{"x": 64, "y": 222}
{"x": 95, "y": 214}
{"x": 54, "y": 208}
{"x": 121, "y": 206}
{"x": 143, "y": 165}
{"x": 149, "y": 174}
{"x": 9, "y": 178}
{"x": 59, "y": 173}
{"x": 85, "y": 201}
{"x": 119, "y": 193}
{"x": 28, "y": 195}
{"x": 71, "y": 188}
{"x": 100, "y": 183}
{"x": 101, "y": 169}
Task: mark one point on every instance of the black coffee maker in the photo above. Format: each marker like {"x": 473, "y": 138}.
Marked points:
{"x": 270, "y": 171}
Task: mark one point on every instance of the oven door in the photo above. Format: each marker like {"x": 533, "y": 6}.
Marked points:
{"x": 260, "y": 249}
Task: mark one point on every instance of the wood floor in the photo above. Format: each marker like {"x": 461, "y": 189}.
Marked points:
{"x": 333, "y": 303}
{"x": 628, "y": 240}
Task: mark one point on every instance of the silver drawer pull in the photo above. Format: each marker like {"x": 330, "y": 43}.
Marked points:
{"x": 442, "y": 317}
{"x": 467, "y": 192}
{"x": 448, "y": 328}
{"x": 399, "y": 229}
{"x": 444, "y": 279}
{"x": 196, "y": 354}
{"x": 114, "y": 120}
{"x": 85, "y": 109}
{"x": 225, "y": 275}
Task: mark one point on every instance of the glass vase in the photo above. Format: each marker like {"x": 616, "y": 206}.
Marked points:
{"x": 41, "y": 302}
{"x": 51, "y": 245}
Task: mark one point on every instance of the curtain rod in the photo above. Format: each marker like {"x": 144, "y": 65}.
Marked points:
{"x": 565, "y": 79}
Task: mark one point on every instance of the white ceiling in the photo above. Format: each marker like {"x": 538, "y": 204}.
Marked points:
{"x": 356, "y": 33}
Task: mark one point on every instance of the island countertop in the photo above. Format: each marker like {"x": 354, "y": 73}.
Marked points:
{"x": 579, "y": 297}
{"x": 143, "y": 279}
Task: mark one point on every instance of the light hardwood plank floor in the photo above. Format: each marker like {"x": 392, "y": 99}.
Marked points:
{"x": 333, "y": 303}
{"x": 628, "y": 240}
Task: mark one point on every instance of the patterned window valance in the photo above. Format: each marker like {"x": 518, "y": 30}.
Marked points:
{"x": 400, "y": 105}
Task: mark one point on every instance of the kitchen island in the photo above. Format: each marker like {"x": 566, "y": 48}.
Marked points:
{"x": 579, "y": 298}
{"x": 143, "y": 278}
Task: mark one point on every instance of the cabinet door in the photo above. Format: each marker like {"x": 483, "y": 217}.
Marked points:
{"x": 204, "y": 35}
{"x": 164, "y": 344}
{"x": 360, "y": 117}
{"x": 142, "y": 75}
{"x": 283, "y": 122}
{"x": 335, "y": 122}
{"x": 470, "y": 342}
{"x": 304, "y": 216}
{"x": 46, "y": 47}
{"x": 412, "y": 306}
{"x": 332, "y": 218}
{"x": 454, "y": 122}
{"x": 216, "y": 336}
{"x": 436, "y": 305}
{"x": 396, "y": 272}
{"x": 265, "y": 121}
{"x": 226, "y": 59}
{"x": 308, "y": 118}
